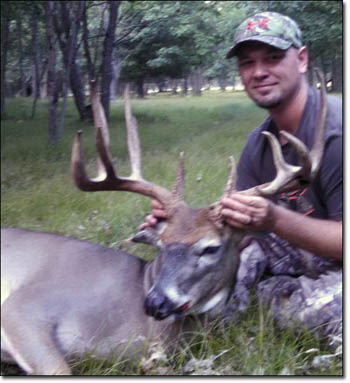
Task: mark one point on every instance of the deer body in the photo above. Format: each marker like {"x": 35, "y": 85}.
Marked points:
{"x": 90, "y": 298}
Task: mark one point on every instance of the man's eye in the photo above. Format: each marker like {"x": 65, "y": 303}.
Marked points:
{"x": 275, "y": 57}
{"x": 245, "y": 63}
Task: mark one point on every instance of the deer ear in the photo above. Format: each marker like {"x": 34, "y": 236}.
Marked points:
{"x": 151, "y": 236}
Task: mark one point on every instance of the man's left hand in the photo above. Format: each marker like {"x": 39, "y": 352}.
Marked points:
{"x": 248, "y": 212}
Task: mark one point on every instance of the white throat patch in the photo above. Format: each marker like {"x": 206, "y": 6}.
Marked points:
{"x": 217, "y": 299}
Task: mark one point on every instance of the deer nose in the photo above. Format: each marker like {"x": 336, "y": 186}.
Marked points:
{"x": 158, "y": 305}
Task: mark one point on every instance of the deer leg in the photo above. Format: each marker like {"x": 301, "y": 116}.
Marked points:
{"x": 30, "y": 340}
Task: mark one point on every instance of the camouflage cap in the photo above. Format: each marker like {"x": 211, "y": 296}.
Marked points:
{"x": 270, "y": 28}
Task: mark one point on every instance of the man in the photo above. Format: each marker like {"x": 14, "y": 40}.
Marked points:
{"x": 303, "y": 248}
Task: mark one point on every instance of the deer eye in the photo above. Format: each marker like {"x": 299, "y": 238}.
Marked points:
{"x": 210, "y": 250}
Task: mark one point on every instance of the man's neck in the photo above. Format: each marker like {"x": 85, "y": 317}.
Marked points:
{"x": 287, "y": 117}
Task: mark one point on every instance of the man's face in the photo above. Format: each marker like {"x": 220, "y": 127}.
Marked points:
{"x": 271, "y": 76}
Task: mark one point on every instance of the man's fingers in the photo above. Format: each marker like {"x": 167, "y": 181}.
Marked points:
{"x": 236, "y": 224}
{"x": 150, "y": 220}
{"x": 155, "y": 204}
{"x": 236, "y": 216}
{"x": 158, "y": 210}
{"x": 237, "y": 206}
{"x": 254, "y": 201}
{"x": 143, "y": 226}
{"x": 158, "y": 213}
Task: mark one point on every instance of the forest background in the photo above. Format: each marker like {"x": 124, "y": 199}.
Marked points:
{"x": 52, "y": 49}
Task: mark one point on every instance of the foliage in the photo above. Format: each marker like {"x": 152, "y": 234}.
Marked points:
{"x": 320, "y": 22}
{"x": 157, "y": 40}
{"x": 38, "y": 193}
{"x": 180, "y": 36}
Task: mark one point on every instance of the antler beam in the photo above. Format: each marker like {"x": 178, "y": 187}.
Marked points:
{"x": 107, "y": 177}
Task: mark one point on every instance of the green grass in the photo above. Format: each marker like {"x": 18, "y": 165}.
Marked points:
{"x": 38, "y": 193}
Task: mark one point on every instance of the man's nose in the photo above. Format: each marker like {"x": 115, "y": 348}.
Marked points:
{"x": 260, "y": 70}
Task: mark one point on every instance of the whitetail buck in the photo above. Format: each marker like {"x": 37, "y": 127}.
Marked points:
{"x": 63, "y": 296}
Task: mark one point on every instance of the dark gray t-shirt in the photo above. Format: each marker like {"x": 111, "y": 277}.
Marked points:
{"x": 324, "y": 198}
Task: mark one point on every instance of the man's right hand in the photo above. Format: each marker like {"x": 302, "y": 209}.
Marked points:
{"x": 157, "y": 213}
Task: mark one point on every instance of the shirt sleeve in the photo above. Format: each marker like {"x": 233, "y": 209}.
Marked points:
{"x": 331, "y": 178}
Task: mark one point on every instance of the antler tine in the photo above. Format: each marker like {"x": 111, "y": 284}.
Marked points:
{"x": 180, "y": 180}
{"x": 100, "y": 123}
{"x": 107, "y": 178}
{"x": 78, "y": 164}
{"x": 286, "y": 173}
{"x": 230, "y": 185}
{"x": 216, "y": 208}
{"x": 134, "y": 146}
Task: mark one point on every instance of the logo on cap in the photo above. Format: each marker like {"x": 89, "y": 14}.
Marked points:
{"x": 262, "y": 24}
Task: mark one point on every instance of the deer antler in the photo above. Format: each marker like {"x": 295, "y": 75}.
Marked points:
{"x": 107, "y": 178}
{"x": 291, "y": 177}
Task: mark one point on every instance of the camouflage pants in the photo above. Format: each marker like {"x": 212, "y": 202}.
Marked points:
{"x": 302, "y": 290}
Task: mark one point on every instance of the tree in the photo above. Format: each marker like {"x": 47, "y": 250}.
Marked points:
{"x": 67, "y": 29}
{"x": 5, "y": 32}
{"x": 35, "y": 57}
{"x": 165, "y": 47}
{"x": 162, "y": 42}
{"x": 108, "y": 45}
{"x": 51, "y": 71}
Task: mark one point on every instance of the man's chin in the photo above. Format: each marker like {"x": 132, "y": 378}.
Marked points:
{"x": 268, "y": 104}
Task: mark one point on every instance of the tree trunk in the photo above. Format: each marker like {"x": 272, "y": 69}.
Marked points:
{"x": 5, "y": 31}
{"x": 116, "y": 69}
{"x": 77, "y": 86}
{"x": 51, "y": 72}
{"x": 197, "y": 82}
{"x": 67, "y": 32}
{"x": 140, "y": 88}
{"x": 35, "y": 59}
{"x": 72, "y": 71}
{"x": 107, "y": 70}
{"x": 185, "y": 87}
{"x": 43, "y": 86}
{"x": 174, "y": 86}
{"x": 161, "y": 85}
{"x": 222, "y": 84}
{"x": 234, "y": 82}
{"x": 20, "y": 55}
{"x": 90, "y": 64}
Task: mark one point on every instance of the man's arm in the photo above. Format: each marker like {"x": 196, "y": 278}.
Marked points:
{"x": 252, "y": 213}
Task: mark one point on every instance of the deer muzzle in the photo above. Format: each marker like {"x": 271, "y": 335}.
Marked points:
{"x": 160, "y": 306}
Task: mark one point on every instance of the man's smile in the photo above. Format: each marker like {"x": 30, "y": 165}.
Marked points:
{"x": 264, "y": 86}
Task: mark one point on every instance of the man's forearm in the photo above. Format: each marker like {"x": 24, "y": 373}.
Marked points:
{"x": 254, "y": 213}
{"x": 321, "y": 237}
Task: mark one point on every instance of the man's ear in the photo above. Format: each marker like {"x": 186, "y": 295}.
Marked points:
{"x": 303, "y": 57}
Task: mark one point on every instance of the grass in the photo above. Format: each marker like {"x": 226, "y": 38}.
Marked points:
{"x": 38, "y": 193}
